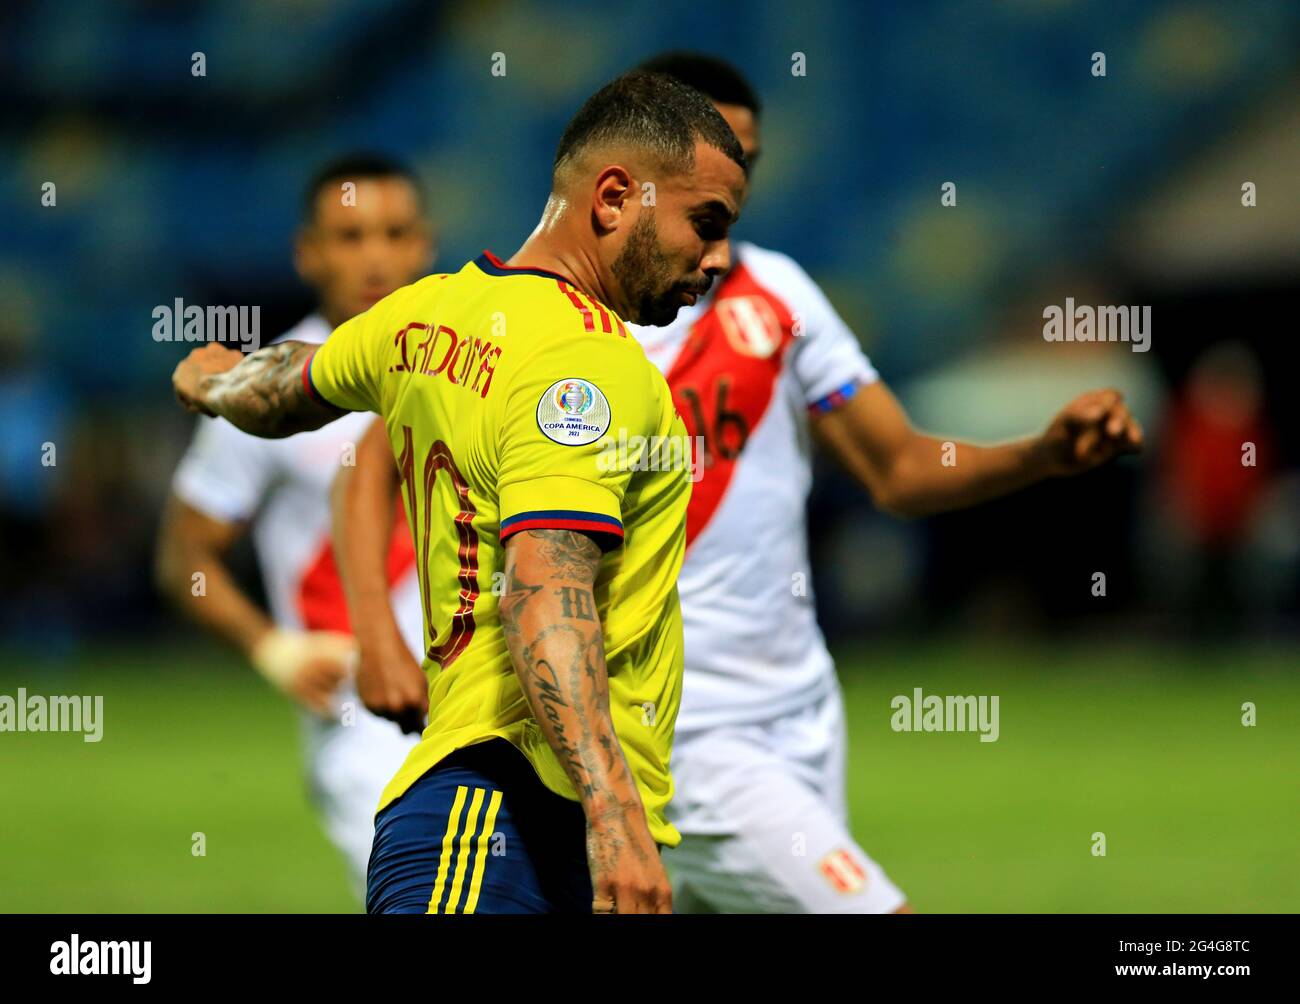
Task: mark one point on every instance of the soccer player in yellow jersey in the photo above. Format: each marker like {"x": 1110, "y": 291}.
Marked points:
{"x": 541, "y": 780}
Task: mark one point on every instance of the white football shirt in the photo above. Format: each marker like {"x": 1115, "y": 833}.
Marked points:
{"x": 747, "y": 365}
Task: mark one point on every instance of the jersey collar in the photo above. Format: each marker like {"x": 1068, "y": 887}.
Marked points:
{"x": 493, "y": 265}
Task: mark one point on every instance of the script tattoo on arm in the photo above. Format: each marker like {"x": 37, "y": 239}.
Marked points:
{"x": 548, "y": 612}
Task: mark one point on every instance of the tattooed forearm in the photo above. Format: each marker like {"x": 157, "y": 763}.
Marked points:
{"x": 516, "y": 596}
{"x": 557, "y": 647}
{"x": 576, "y": 604}
{"x": 550, "y": 698}
{"x": 264, "y": 394}
{"x": 573, "y": 555}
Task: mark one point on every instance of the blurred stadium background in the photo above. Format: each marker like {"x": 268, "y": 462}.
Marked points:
{"x": 1120, "y": 714}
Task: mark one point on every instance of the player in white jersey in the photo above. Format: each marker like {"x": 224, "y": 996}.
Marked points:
{"x": 759, "y": 750}
{"x": 364, "y": 235}
{"x": 760, "y": 368}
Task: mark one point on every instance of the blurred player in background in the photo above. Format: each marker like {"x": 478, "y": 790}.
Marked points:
{"x": 363, "y": 235}
{"x": 551, "y": 708}
{"x": 758, "y": 367}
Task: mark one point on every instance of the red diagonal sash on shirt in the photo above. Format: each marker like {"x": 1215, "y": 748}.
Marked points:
{"x": 724, "y": 379}
{"x": 321, "y": 602}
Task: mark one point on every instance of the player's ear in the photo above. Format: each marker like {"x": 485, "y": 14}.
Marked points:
{"x": 610, "y": 197}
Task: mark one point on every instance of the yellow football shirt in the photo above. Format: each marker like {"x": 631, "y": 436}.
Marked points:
{"x": 503, "y": 391}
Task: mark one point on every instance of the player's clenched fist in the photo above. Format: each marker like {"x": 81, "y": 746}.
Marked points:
{"x": 309, "y": 666}
{"x": 1090, "y": 430}
{"x": 627, "y": 875}
{"x": 203, "y": 362}
{"x": 392, "y": 685}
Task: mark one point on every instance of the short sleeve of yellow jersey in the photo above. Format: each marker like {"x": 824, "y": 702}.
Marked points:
{"x": 345, "y": 371}
{"x": 566, "y": 412}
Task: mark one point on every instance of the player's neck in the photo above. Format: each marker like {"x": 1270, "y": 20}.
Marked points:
{"x": 552, "y": 247}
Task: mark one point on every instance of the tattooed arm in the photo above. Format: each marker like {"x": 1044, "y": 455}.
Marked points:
{"x": 261, "y": 393}
{"x": 548, "y": 612}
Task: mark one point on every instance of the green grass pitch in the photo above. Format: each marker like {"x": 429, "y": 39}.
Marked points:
{"x": 1199, "y": 812}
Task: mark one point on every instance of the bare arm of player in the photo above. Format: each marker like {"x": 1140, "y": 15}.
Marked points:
{"x": 192, "y": 544}
{"x": 261, "y": 393}
{"x": 390, "y": 681}
{"x": 554, "y": 634}
{"x": 191, "y": 571}
{"x": 910, "y": 474}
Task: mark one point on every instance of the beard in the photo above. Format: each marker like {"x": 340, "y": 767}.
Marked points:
{"x": 645, "y": 274}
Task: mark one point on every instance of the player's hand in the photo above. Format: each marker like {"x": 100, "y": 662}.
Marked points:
{"x": 309, "y": 666}
{"x": 392, "y": 685}
{"x": 1090, "y": 430}
{"x": 205, "y": 361}
{"x": 627, "y": 875}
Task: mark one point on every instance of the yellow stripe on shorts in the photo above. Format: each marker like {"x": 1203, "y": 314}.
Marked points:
{"x": 476, "y": 883}
{"x": 444, "y": 861}
{"x": 462, "y": 855}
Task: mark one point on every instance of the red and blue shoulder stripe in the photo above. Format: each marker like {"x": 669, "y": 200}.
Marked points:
{"x": 605, "y": 530}
{"x": 310, "y": 387}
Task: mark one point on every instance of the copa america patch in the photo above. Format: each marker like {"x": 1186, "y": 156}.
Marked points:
{"x": 573, "y": 412}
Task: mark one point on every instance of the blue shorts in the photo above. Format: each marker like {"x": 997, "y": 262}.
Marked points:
{"x": 480, "y": 833}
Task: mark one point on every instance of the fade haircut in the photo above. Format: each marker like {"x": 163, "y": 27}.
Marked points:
{"x": 715, "y": 78}
{"x": 652, "y": 112}
{"x": 355, "y": 167}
